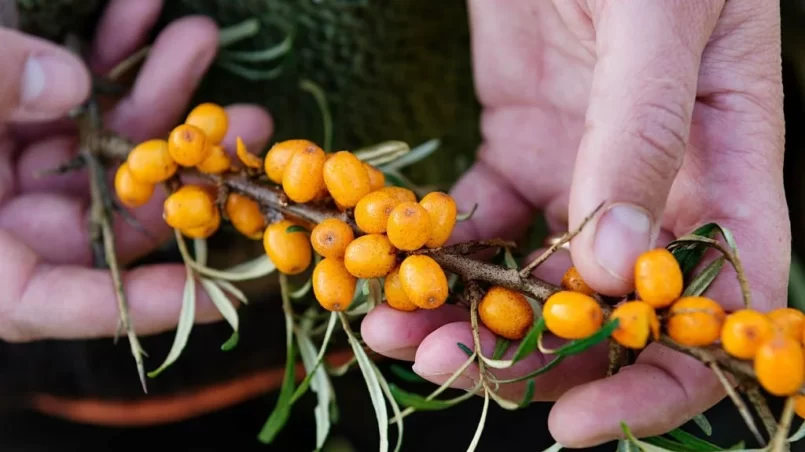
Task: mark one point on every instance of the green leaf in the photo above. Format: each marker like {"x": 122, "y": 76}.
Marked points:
{"x": 666, "y": 444}
{"x": 282, "y": 410}
{"x": 509, "y": 260}
{"x": 319, "y": 383}
{"x": 529, "y": 394}
{"x": 405, "y": 374}
{"x": 395, "y": 408}
{"x": 554, "y": 362}
{"x": 703, "y": 280}
{"x": 300, "y": 390}
{"x": 417, "y": 401}
{"x": 253, "y": 269}
{"x": 466, "y": 216}
{"x": 186, "y": 318}
{"x": 295, "y": 228}
{"x": 501, "y": 346}
{"x": 643, "y": 446}
{"x": 302, "y": 291}
{"x": 624, "y": 445}
{"x": 693, "y": 443}
{"x": 465, "y": 349}
{"x": 200, "y": 251}
{"x": 231, "y": 342}
{"x": 798, "y": 435}
{"x": 704, "y": 424}
{"x": 383, "y": 152}
{"x": 229, "y": 287}
{"x": 581, "y": 345}
{"x": 415, "y": 155}
{"x": 481, "y": 422}
{"x": 796, "y": 284}
{"x": 225, "y": 307}
{"x": 690, "y": 254}
{"x": 527, "y": 346}
{"x": 555, "y": 448}
{"x": 326, "y": 117}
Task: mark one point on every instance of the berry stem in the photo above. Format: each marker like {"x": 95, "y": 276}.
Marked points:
{"x": 739, "y": 403}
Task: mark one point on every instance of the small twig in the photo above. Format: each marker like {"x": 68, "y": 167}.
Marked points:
{"x": 74, "y": 164}
{"x": 779, "y": 442}
{"x": 761, "y": 408}
{"x": 122, "y": 67}
{"x": 617, "y": 354}
{"x": 739, "y": 403}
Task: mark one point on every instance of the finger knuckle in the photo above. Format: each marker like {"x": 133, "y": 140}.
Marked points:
{"x": 659, "y": 132}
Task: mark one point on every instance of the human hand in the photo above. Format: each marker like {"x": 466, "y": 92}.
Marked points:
{"x": 48, "y": 291}
{"x": 672, "y": 107}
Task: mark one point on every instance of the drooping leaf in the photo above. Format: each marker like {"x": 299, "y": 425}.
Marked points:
{"x": 326, "y": 116}
{"x": 691, "y": 442}
{"x": 253, "y": 269}
{"x": 225, "y": 307}
{"x": 690, "y": 254}
{"x": 319, "y": 383}
{"x": 383, "y": 152}
{"x": 395, "y": 408}
{"x": 555, "y": 448}
{"x": 300, "y": 390}
{"x": 415, "y": 155}
{"x": 703, "y": 280}
{"x": 231, "y": 342}
{"x": 187, "y": 316}
{"x": 529, "y": 394}
{"x": 704, "y": 424}
{"x": 302, "y": 291}
{"x": 501, "y": 346}
{"x": 581, "y": 345}
{"x": 666, "y": 444}
{"x": 798, "y": 435}
{"x": 405, "y": 374}
{"x": 642, "y": 445}
{"x": 229, "y": 287}
{"x": 527, "y": 346}
{"x": 466, "y": 216}
{"x": 481, "y": 423}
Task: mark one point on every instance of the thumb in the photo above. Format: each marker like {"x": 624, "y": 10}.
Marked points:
{"x": 38, "y": 80}
{"x": 637, "y": 124}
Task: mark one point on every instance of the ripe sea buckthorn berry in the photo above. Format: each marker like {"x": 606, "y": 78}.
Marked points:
{"x": 658, "y": 277}
{"x": 245, "y": 215}
{"x": 377, "y": 179}
{"x": 370, "y": 256}
{"x": 331, "y": 237}
{"x": 408, "y": 226}
{"x": 302, "y": 179}
{"x": 402, "y": 194}
{"x": 695, "y": 321}
{"x": 424, "y": 281}
{"x": 506, "y": 313}
{"x": 637, "y": 321}
{"x": 204, "y": 231}
{"x": 188, "y": 145}
{"x": 290, "y": 251}
{"x": 572, "y": 315}
{"x": 788, "y": 321}
{"x": 333, "y": 285}
{"x": 188, "y": 207}
{"x": 217, "y": 161}
{"x": 442, "y": 210}
{"x": 799, "y": 405}
{"x": 246, "y": 157}
{"x": 373, "y": 210}
{"x": 346, "y": 178}
{"x": 744, "y": 331}
{"x": 395, "y": 294}
{"x": 211, "y": 119}
{"x": 780, "y": 365}
{"x": 151, "y": 163}
{"x": 280, "y": 154}
{"x": 572, "y": 280}
{"x": 130, "y": 191}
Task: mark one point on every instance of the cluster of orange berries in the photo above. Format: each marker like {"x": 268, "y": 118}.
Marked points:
{"x": 773, "y": 341}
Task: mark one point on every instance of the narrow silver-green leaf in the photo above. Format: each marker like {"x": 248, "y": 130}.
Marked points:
{"x": 395, "y": 408}
{"x": 302, "y": 291}
{"x": 383, "y": 152}
{"x": 703, "y": 280}
{"x": 466, "y": 216}
{"x": 200, "y": 250}
{"x": 555, "y": 448}
{"x": 796, "y": 284}
{"x": 798, "y": 435}
{"x": 415, "y": 155}
{"x": 319, "y": 383}
{"x": 185, "y": 325}
{"x": 224, "y": 306}
{"x": 481, "y": 422}
{"x": 704, "y": 424}
{"x": 300, "y": 390}
{"x": 229, "y": 287}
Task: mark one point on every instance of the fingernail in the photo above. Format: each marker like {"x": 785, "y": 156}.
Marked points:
{"x": 622, "y": 234}
{"x": 52, "y": 84}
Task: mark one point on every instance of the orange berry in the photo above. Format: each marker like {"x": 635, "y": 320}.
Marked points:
{"x": 658, "y": 277}
{"x": 280, "y": 154}
{"x": 780, "y": 365}
{"x": 188, "y": 207}
{"x": 188, "y": 145}
{"x": 130, "y": 191}
{"x": 637, "y": 320}
{"x": 217, "y": 160}
{"x": 572, "y": 280}
{"x": 695, "y": 321}
{"x": 572, "y": 315}
{"x": 211, "y": 119}
{"x": 789, "y": 321}
{"x": 303, "y": 179}
{"x": 206, "y": 230}
{"x": 424, "y": 281}
{"x": 331, "y": 237}
{"x": 290, "y": 251}
{"x": 373, "y": 210}
{"x": 402, "y": 194}
{"x": 377, "y": 179}
{"x": 395, "y": 294}
{"x": 744, "y": 331}
{"x": 442, "y": 210}
{"x": 151, "y": 163}
{"x": 245, "y": 215}
{"x": 247, "y": 158}
{"x": 799, "y": 405}
{"x": 370, "y": 256}
{"x": 408, "y": 226}
{"x": 333, "y": 285}
{"x": 506, "y": 313}
{"x": 346, "y": 178}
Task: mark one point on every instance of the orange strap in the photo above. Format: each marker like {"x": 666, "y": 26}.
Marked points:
{"x": 175, "y": 408}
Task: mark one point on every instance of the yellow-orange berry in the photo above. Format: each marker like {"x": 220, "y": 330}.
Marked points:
{"x": 424, "y": 281}
{"x": 370, "y": 256}
{"x": 331, "y": 237}
{"x": 280, "y": 154}
{"x": 695, "y": 321}
{"x": 346, "y": 178}
{"x": 744, "y": 331}
{"x": 188, "y": 145}
{"x": 788, "y": 321}
{"x": 442, "y": 210}
{"x": 377, "y": 179}
{"x": 658, "y": 277}
{"x": 402, "y": 194}
{"x": 303, "y": 179}
{"x": 395, "y": 294}
{"x": 799, "y": 405}
{"x": 217, "y": 161}
{"x": 572, "y": 315}
{"x": 211, "y": 119}
{"x": 247, "y": 158}
{"x": 188, "y": 207}
{"x": 289, "y": 251}
{"x": 637, "y": 322}
{"x": 151, "y": 163}
{"x": 333, "y": 285}
{"x": 408, "y": 226}
{"x": 373, "y": 210}
{"x": 245, "y": 215}
{"x": 130, "y": 191}
{"x": 780, "y": 365}
{"x": 206, "y": 230}
{"x": 506, "y": 313}
{"x": 572, "y": 280}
